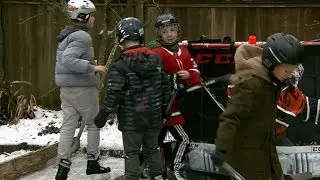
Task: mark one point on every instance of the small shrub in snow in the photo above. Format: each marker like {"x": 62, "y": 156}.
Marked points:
{"x": 49, "y": 129}
{"x": 16, "y": 104}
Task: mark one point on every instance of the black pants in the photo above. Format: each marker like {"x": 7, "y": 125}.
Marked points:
{"x": 132, "y": 142}
{"x": 179, "y": 133}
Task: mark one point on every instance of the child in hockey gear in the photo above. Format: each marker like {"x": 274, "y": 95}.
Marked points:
{"x": 178, "y": 63}
{"x": 293, "y": 104}
{"x": 246, "y": 134}
{"x": 75, "y": 75}
{"x": 138, "y": 85}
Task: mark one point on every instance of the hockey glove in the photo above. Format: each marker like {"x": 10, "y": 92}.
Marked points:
{"x": 177, "y": 82}
{"x": 101, "y": 118}
{"x": 218, "y": 158}
{"x": 111, "y": 119}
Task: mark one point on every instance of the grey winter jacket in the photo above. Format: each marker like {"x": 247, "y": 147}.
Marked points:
{"x": 75, "y": 59}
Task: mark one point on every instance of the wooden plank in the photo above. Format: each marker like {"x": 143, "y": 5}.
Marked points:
{"x": 17, "y": 147}
{"x": 28, "y": 163}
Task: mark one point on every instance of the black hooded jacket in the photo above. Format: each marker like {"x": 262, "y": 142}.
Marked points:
{"x": 140, "y": 89}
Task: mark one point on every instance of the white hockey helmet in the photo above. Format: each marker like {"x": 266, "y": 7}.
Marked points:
{"x": 80, "y": 10}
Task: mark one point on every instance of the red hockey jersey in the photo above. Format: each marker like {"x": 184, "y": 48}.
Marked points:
{"x": 290, "y": 104}
{"x": 172, "y": 63}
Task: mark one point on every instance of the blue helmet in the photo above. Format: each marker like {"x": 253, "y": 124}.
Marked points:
{"x": 131, "y": 29}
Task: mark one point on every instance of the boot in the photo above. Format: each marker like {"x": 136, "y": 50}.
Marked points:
{"x": 93, "y": 167}
{"x": 63, "y": 170}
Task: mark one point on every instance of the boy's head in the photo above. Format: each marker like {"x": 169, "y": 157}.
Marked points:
{"x": 80, "y": 12}
{"x": 168, "y": 29}
{"x": 282, "y": 55}
{"x": 130, "y": 32}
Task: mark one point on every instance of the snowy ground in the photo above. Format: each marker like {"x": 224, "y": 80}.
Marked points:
{"x": 27, "y": 131}
{"x": 78, "y": 169}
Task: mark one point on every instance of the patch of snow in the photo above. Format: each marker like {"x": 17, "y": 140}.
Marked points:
{"x": 110, "y": 138}
{"x": 27, "y": 131}
{"x": 8, "y": 156}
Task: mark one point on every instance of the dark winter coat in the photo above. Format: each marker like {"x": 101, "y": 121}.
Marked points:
{"x": 247, "y": 127}
{"x": 137, "y": 84}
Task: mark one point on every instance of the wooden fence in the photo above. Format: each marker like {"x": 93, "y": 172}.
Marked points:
{"x": 30, "y": 29}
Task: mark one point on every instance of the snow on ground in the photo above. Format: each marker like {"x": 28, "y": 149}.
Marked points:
{"x": 110, "y": 138}
{"x": 78, "y": 169}
{"x": 8, "y": 156}
{"x": 27, "y": 131}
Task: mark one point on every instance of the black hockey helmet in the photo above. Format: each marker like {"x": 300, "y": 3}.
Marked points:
{"x": 167, "y": 20}
{"x": 130, "y": 28}
{"x": 281, "y": 48}
{"x": 164, "y": 19}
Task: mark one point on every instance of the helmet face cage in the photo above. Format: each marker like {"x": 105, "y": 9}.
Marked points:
{"x": 80, "y": 10}
{"x": 169, "y": 28}
{"x": 296, "y": 76}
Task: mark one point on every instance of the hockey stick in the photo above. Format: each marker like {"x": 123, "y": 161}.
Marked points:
{"x": 232, "y": 171}
{"x": 193, "y": 88}
{"x": 213, "y": 97}
{"x": 207, "y": 89}
{"x": 172, "y": 97}
{"x": 76, "y": 141}
{"x": 209, "y": 82}
{"x": 171, "y": 100}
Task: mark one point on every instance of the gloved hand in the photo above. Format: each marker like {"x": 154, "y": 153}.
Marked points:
{"x": 218, "y": 158}
{"x": 101, "y": 119}
{"x": 112, "y": 118}
{"x": 177, "y": 82}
